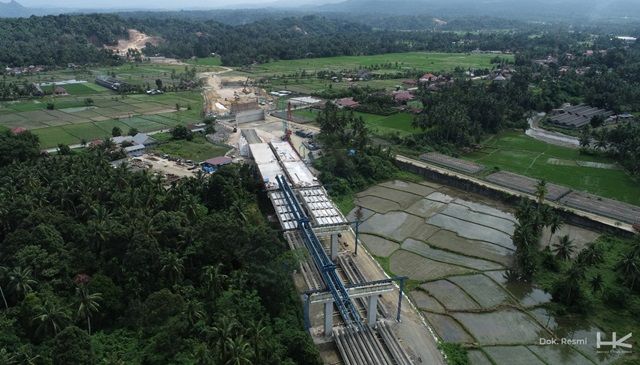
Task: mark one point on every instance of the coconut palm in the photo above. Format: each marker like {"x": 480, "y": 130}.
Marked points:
{"x": 601, "y": 139}
{"x": 629, "y": 268}
{"x": 195, "y": 311}
{"x": 20, "y": 281}
{"x": 257, "y": 331}
{"x": 564, "y": 248}
{"x": 172, "y": 266}
{"x": 238, "y": 351}
{"x": 7, "y": 358}
{"x": 202, "y": 354}
{"x": 3, "y": 272}
{"x": 593, "y": 255}
{"x": 51, "y": 318}
{"x": 541, "y": 191}
{"x": 224, "y": 329}
{"x": 87, "y": 304}
{"x": 596, "y": 283}
{"x": 213, "y": 277}
{"x": 555, "y": 223}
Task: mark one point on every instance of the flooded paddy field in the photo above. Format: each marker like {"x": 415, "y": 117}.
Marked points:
{"x": 455, "y": 247}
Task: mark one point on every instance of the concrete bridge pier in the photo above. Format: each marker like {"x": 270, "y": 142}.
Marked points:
{"x": 372, "y": 310}
{"x": 328, "y": 319}
{"x": 335, "y": 245}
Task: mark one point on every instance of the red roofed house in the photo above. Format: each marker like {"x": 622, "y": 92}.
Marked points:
{"x": 347, "y": 103}
{"x": 18, "y": 130}
{"x": 402, "y": 97}
{"x": 95, "y": 142}
{"x": 428, "y": 78}
{"x": 218, "y": 161}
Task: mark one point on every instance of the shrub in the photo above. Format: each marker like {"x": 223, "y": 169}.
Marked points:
{"x": 455, "y": 353}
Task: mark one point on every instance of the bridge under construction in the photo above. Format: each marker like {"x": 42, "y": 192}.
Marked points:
{"x": 342, "y": 306}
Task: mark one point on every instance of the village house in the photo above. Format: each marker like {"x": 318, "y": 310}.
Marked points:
{"x": 347, "y": 103}
{"x": 60, "y": 91}
{"x": 427, "y": 78}
{"x": 402, "y": 97}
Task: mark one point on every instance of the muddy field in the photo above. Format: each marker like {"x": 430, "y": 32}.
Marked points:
{"x": 457, "y": 246}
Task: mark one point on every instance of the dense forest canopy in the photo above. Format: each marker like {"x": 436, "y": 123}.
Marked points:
{"x": 103, "y": 265}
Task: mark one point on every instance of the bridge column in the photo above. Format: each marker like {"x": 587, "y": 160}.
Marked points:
{"x": 372, "y": 311}
{"x": 307, "y": 302}
{"x": 328, "y": 319}
{"x": 335, "y": 244}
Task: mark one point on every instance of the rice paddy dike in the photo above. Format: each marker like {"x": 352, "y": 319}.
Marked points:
{"x": 455, "y": 247}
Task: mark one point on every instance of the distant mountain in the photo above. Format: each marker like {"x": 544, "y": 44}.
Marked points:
{"x": 539, "y": 10}
{"x": 13, "y": 10}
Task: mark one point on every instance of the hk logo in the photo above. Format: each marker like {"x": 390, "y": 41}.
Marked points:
{"x": 615, "y": 342}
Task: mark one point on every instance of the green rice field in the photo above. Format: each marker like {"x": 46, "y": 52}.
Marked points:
{"x": 516, "y": 152}
{"x": 427, "y": 61}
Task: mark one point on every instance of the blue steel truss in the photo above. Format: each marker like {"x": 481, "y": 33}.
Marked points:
{"x": 325, "y": 266}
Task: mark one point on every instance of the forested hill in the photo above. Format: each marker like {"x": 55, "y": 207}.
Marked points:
{"x": 100, "y": 265}
{"x": 58, "y": 40}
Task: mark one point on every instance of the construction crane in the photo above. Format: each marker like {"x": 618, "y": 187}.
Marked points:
{"x": 285, "y": 124}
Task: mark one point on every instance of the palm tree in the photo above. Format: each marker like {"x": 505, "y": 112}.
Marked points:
{"x": 52, "y": 318}
{"x": 601, "y": 139}
{"x": 564, "y": 248}
{"x": 3, "y": 272}
{"x": 20, "y": 281}
{"x": 596, "y": 283}
{"x": 238, "y": 351}
{"x": 555, "y": 223}
{"x": 7, "y": 358}
{"x": 202, "y": 354}
{"x": 541, "y": 191}
{"x": 629, "y": 268}
{"x": 257, "y": 331}
{"x": 172, "y": 266}
{"x": 593, "y": 255}
{"x": 194, "y": 311}
{"x": 224, "y": 329}
{"x": 213, "y": 277}
{"x": 87, "y": 304}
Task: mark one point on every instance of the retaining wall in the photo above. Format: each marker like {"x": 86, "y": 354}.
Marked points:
{"x": 571, "y": 216}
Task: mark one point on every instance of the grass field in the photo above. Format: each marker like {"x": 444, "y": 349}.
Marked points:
{"x": 433, "y": 62}
{"x": 516, "y": 152}
{"x": 81, "y": 89}
{"x": 378, "y": 124}
{"x": 199, "y": 149}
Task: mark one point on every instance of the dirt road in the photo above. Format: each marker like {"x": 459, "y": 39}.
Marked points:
{"x": 211, "y": 91}
{"x": 544, "y": 135}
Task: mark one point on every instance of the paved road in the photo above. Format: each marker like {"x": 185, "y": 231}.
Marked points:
{"x": 544, "y": 135}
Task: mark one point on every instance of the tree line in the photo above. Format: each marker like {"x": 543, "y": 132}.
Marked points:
{"x": 58, "y": 40}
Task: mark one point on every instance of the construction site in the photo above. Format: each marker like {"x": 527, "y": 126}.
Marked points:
{"x": 233, "y": 97}
{"x": 355, "y": 313}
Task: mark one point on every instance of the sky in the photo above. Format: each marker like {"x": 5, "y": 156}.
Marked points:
{"x": 163, "y": 4}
